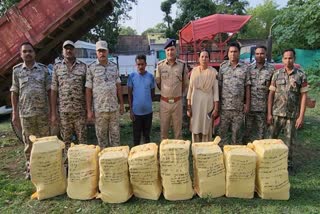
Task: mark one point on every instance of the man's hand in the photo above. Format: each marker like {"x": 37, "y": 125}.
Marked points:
{"x": 90, "y": 116}
{"x": 189, "y": 113}
{"x": 54, "y": 119}
{"x": 132, "y": 116}
{"x": 214, "y": 114}
{"x": 246, "y": 108}
{"x": 16, "y": 120}
{"x": 121, "y": 109}
{"x": 299, "y": 122}
{"x": 269, "y": 119}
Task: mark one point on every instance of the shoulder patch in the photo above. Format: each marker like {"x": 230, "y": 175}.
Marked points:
{"x": 161, "y": 62}
{"x": 91, "y": 64}
{"x": 57, "y": 63}
{"x": 300, "y": 71}
{"x": 276, "y": 72}
{"x": 80, "y": 62}
{"x": 224, "y": 63}
{"x": 181, "y": 61}
{"x": 43, "y": 65}
{"x": 17, "y": 66}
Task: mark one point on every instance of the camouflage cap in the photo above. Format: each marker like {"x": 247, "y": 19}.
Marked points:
{"x": 68, "y": 42}
{"x": 101, "y": 45}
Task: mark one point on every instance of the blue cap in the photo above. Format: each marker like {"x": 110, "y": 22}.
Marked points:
{"x": 169, "y": 43}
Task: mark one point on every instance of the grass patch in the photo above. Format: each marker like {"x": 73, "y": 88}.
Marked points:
{"x": 305, "y": 184}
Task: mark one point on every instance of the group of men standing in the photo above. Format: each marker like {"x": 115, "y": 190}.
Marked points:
{"x": 82, "y": 93}
{"x": 255, "y": 101}
{"x": 250, "y": 97}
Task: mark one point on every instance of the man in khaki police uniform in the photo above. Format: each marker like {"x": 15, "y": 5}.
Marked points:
{"x": 68, "y": 82}
{"x": 30, "y": 92}
{"x": 104, "y": 86}
{"x": 172, "y": 80}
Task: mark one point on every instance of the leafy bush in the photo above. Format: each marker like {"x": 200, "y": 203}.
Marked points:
{"x": 313, "y": 75}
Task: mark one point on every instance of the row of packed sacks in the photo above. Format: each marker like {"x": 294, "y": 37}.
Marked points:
{"x": 115, "y": 173}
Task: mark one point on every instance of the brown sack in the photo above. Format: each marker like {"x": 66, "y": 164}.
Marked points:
{"x": 83, "y": 171}
{"x": 208, "y": 167}
{"x": 144, "y": 171}
{"x": 240, "y": 164}
{"x": 46, "y": 167}
{"x": 174, "y": 167}
{"x": 272, "y": 179}
{"x": 114, "y": 181}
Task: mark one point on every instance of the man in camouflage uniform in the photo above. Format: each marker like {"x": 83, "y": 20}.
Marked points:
{"x": 104, "y": 85}
{"x": 234, "y": 87}
{"x": 171, "y": 79}
{"x": 30, "y": 92}
{"x": 67, "y": 87}
{"x": 261, "y": 73}
{"x": 287, "y": 100}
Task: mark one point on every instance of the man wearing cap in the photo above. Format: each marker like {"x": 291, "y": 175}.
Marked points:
{"x": 171, "y": 79}
{"x": 30, "y": 92}
{"x": 68, "y": 80}
{"x": 103, "y": 90}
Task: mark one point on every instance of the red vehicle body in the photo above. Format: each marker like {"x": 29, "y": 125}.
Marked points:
{"x": 211, "y": 33}
{"x": 45, "y": 24}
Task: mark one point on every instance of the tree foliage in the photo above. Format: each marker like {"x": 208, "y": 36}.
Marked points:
{"x": 296, "y": 26}
{"x": 232, "y": 6}
{"x": 158, "y": 28}
{"x": 261, "y": 20}
{"x": 6, "y": 4}
{"x": 166, "y": 8}
{"x": 190, "y": 10}
{"x": 108, "y": 29}
{"x": 128, "y": 31}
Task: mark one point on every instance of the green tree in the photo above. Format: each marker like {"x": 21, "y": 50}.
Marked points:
{"x": 6, "y": 4}
{"x": 296, "y": 26}
{"x": 190, "y": 10}
{"x": 158, "y": 28}
{"x": 108, "y": 28}
{"x": 296, "y": 2}
{"x": 232, "y": 6}
{"x": 261, "y": 20}
{"x": 129, "y": 31}
{"x": 166, "y": 8}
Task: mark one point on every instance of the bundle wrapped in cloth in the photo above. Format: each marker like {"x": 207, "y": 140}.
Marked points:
{"x": 114, "y": 181}
{"x": 174, "y": 167}
{"x": 46, "y": 167}
{"x": 240, "y": 164}
{"x": 208, "y": 169}
{"x": 272, "y": 179}
{"x": 83, "y": 171}
{"x": 144, "y": 171}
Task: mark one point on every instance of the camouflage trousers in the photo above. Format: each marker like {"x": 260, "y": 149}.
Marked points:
{"x": 255, "y": 126}
{"x": 73, "y": 123}
{"x": 233, "y": 119}
{"x": 36, "y": 125}
{"x": 107, "y": 128}
{"x": 288, "y": 125}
